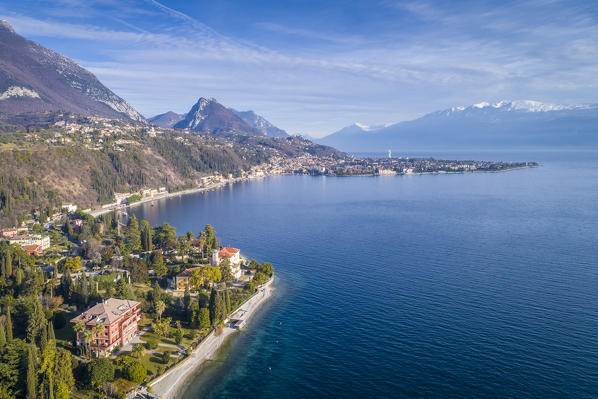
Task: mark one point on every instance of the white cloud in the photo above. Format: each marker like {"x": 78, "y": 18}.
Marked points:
{"x": 169, "y": 62}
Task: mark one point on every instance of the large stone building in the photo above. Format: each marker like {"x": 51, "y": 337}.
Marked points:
{"x": 119, "y": 318}
{"x": 41, "y": 243}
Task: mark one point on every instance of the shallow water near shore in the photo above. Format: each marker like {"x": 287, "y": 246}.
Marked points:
{"x": 446, "y": 286}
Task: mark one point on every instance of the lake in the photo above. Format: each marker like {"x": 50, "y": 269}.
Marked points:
{"x": 434, "y": 286}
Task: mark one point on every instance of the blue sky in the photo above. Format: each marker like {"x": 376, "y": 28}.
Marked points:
{"x": 316, "y": 66}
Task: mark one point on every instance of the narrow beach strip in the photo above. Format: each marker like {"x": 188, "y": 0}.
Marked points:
{"x": 168, "y": 384}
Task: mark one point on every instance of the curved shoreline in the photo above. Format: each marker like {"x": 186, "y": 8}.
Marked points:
{"x": 193, "y": 190}
{"x": 168, "y": 385}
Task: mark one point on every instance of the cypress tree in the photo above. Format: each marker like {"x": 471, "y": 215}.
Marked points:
{"x": 146, "y": 236}
{"x": 84, "y": 288}
{"x": 212, "y": 306}
{"x": 3, "y": 264}
{"x": 19, "y": 276}
{"x": 2, "y": 336}
{"x": 227, "y": 302}
{"x": 8, "y": 260}
{"x": 203, "y": 318}
{"x": 43, "y": 339}
{"x": 31, "y": 373}
{"x": 51, "y": 334}
{"x": 220, "y": 307}
{"x": 133, "y": 237}
{"x": 8, "y": 326}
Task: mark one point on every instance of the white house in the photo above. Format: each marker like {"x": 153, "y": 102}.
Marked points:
{"x": 70, "y": 208}
{"x": 42, "y": 241}
{"x": 234, "y": 257}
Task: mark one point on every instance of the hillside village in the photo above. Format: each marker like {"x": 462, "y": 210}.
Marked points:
{"x": 120, "y": 300}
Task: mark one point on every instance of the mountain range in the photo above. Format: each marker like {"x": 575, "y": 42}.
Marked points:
{"x": 34, "y": 79}
{"x": 260, "y": 123}
{"x": 502, "y": 125}
{"x": 36, "y": 83}
{"x": 208, "y": 115}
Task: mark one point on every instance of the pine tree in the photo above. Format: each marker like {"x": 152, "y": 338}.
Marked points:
{"x": 157, "y": 263}
{"x": 2, "y": 336}
{"x": 31, "y": 373}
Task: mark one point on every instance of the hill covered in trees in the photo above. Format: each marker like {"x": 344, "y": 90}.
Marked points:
{"x": 86, "y": 162}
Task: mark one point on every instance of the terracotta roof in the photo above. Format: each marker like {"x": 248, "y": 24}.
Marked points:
{"x": 188, "y": 272}
{"x": 228, "y": 252}
{"x": 106, "y": 312}
{"x": 32, "y": 248}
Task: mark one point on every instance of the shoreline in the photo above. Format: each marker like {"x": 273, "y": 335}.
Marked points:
{"x": 102, "y": 211}
{"x": 169, "y": 384}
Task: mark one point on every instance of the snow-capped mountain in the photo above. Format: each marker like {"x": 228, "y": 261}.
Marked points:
{"x": 34, "y": 79}
{"x": 508, "y": 106}
{"x": 209, "y": 116}
{"x": 505, "y": 124}
{"x": 260, "y": 123}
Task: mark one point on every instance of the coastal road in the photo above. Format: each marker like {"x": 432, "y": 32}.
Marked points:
{"x": 169, "y": 383}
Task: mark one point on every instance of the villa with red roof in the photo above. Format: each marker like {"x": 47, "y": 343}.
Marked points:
{"x": 119, "y": 318}
{"x": 234, "y": 257}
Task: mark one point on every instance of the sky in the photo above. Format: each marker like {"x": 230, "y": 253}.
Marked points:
{"x": 313, "y": 67}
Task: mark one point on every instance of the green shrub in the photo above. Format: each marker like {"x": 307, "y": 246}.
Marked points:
{"x": 166, "y": 357}
{"x": 151, "y": 344}
{"x": 99, "y": 371}
{"x": 136, "y": 372}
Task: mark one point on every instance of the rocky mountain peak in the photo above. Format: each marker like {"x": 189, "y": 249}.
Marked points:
{"x": 5, "y": 26}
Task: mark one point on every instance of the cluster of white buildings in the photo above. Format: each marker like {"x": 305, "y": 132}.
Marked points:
{"x": 33, "y": 244}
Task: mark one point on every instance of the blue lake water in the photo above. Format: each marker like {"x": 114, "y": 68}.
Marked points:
{"x": 432, "y": 286}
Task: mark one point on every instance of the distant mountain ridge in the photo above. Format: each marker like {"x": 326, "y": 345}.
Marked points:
{"x": 260, "y": 123}
{"x": 208, "y": 115}
{"x": 34, "y": 79}
{"x": 167, "y": 119}
{"x": 505, "y": 124}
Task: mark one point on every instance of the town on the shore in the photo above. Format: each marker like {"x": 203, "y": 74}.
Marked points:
{"x": 93, "y": 302}
{"x": 100, "y": 307}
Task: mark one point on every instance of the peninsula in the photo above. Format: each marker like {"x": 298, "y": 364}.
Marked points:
{"x": 133, "y": 308}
